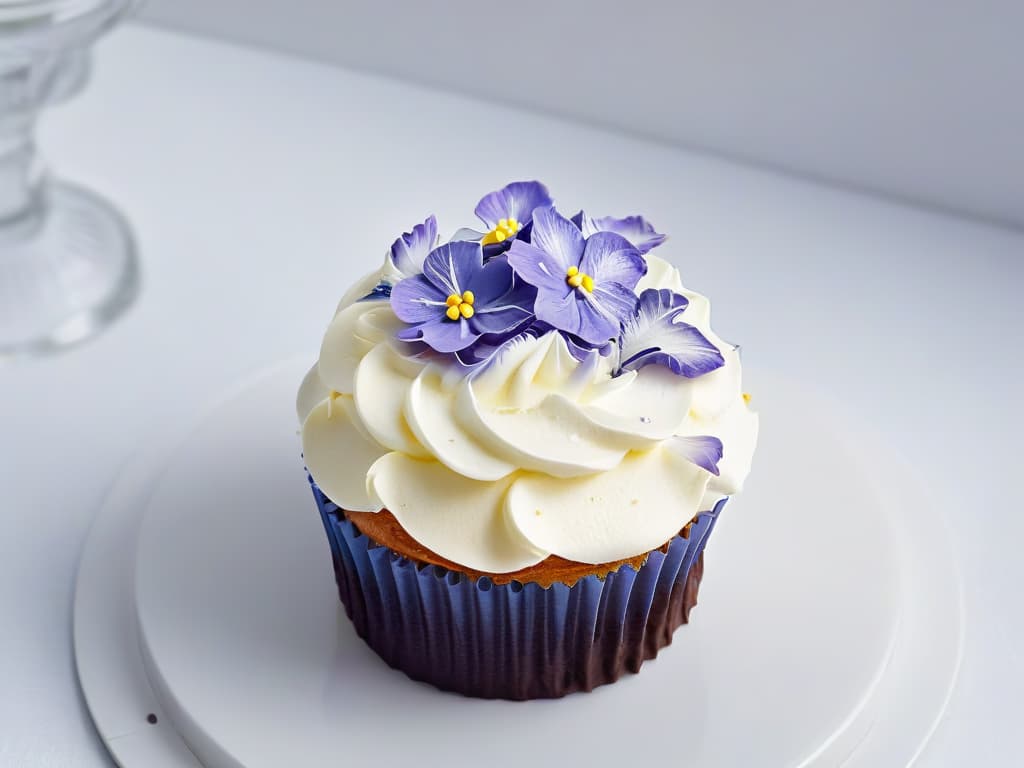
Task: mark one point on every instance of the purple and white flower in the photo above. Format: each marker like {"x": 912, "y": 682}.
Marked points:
{"x": 656, "y": 334}
{"x": 457, "y": 299}
{"x": 507, "y": 214}
{"x": 703, "y": 450}
{"x": 486, "y": 347}
{"x": 406, "y": 257}
{"x": 584, "y": 286}
{"x": 411, "y": 248}
{"x": 636, "y": 229}
{"x": 575, "y": 277}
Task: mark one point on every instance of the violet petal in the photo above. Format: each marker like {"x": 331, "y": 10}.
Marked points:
{"x": 559, "y": 238}
{"x": 451, "y": 266}
{"x": 411, "y": 248}
{"x": 636, "y": 229}
{"x": 656, "y": 334}
{"x": 516, "y": 201}
{"x": 417, "y": 300}
{"x": 704, "y": 450}
{"x": 611, "y": 258}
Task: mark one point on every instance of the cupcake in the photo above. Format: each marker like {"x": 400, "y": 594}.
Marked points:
{"x": 519, "y": 441}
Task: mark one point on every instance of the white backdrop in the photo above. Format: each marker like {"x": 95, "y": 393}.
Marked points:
{"x": 259, "y": 184}
{"x": 916, "y": 99}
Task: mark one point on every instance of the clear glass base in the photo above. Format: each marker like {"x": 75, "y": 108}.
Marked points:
{"x": 66, "y": 271}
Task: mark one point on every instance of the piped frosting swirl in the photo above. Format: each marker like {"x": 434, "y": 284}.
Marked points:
{"x": 545, "y": 444}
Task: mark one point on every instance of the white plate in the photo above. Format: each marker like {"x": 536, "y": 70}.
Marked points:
{"x": 828, "y": 630}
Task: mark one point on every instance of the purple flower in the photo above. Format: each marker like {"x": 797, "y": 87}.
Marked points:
{"x": 457, "y": 299}
{"x": 584, "y": 286}
{"x": 508, "y": 210}
{"x": 408, "y": 251}
{"x": 507, "y": 214}
{"x": 655, "y": 334}
{"x": 486, "y": 347}
{"x": 578, "y": 348}
{"x": 636, "y": 229}
{"x": 703, "y": 450}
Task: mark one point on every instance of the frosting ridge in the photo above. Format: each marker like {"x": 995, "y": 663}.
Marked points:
{"x": 530, "y": 440}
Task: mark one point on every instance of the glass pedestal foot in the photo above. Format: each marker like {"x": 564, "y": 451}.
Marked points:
{"x": 66, "y": 271}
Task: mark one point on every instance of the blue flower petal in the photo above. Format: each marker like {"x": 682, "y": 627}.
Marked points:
{"x": 561, "y": 312}
{"x": 447, "y": 335}
{"x": 599, "y": 312}
{"x": 595, "y": 311}
{"x": 483, "y": 349}
{"x": 581, "y": 350}
{"x": 557, "y": 237}
{"x": 500, "y": 305}
{"x": 507, "y": 312}
{"x": 538, "y": 268}
{"x": 450, "y": 267}
{"x": 610, "y": 258}
{"x": 656, "y": 335}
{"x": 516, "y": 201}
{"x": 636, "y": 229}
{"x": 408, "y": 251}
{"x": 703, "y": 450}
{"x": 417, "y": 300}
{"x": 616, "y": 303}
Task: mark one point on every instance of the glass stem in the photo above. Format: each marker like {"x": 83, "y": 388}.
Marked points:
{"x": 21, "y": 172}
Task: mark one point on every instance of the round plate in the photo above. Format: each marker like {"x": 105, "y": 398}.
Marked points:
{"x": 828, "y": 630}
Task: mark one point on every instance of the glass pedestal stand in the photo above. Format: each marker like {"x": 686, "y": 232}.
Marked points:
{"x": 67, "y": 257}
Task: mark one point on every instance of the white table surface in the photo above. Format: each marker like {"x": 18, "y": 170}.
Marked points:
{"x": 260, "y": 186}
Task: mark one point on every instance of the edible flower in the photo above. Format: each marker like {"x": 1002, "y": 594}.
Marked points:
{"x": 411, "y": 248}
{"x": 656, "y": 334}
{"x": 458, "y": 298}
{"x": 584, "y": 285}
{"x": 485, "y": 349}
{"x": 636, "y": 229}
{"x": 507, "y": 214}
{"x": 703, "y": 450}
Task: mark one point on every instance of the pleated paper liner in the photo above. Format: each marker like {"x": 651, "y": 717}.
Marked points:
{"x": 513, "y": 641}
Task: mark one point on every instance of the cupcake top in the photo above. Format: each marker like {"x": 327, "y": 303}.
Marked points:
{"x": 546, "y": 386}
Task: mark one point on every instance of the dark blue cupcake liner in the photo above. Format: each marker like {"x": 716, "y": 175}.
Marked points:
{"x": 513, "y": 641}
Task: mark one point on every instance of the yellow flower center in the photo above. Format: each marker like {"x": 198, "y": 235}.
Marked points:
{"x": 747, "y": 398}
{"x": 577, "y": 279}
{"x": 460, "y": 306}
{"x": 506, "y": 228}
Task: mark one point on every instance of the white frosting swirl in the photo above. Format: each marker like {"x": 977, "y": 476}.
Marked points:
{"x": 535, "y": 454}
